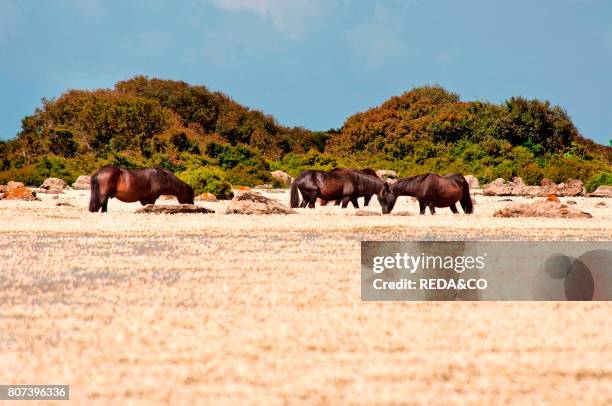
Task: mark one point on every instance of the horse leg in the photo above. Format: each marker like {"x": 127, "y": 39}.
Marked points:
{"x": 454, "y": 208}
{"x": 345, "y": 201}
{"x": 309, "y": 198}
{"x": 366, "y": 200}
{"x": 337, "y": 203}
{"x": 312, "y": 200}
{"x": 432, "y": 209}
{"x": 355, "y": 202}
{"x": 105, "y": 204}
{"x": 422, "y": 207}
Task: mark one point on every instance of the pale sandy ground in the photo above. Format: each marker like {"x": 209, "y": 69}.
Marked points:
{"x": 199, "y": 309}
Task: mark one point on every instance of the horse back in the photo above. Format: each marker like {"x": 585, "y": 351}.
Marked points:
{"x": 368, "y": 171}
{"x": 153, "y": 180}
{"x": 443, "y": 188}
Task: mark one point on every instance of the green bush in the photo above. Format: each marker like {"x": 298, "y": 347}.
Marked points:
{"x": 531, "y": 173}
{"x": 28, "y": 175}
{"x": 164, "y": 161}
{"x": 228, "y": 156}
{"x": 293, "y": 164}
{"x": 207, "y": 180}
{"x": 602, "y": 178}
{"x": 146, "y": 122}
{"x": 63, "y": 143}
{"x": 248, "y": 175}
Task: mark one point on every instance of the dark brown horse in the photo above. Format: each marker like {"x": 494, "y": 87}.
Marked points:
{"x": 366, "y": 198}
{"x": 140, "y": 185}
{"x": 431, "y": 191}
{"x": 345, "y": 184}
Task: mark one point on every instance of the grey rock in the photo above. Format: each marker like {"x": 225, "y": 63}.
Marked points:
{"x": 251, "y": 202}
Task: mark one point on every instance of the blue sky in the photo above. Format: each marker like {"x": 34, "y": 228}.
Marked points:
{"x": 313, "y": 63}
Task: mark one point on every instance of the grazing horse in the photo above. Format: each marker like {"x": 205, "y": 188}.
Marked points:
{"x": 366, "y": 198}
{"x": 431, "y": 191}
{"x": 140, "y": 185}
{"x": 341, "y": 184}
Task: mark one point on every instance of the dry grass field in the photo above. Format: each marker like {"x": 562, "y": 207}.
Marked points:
{"x": 200, "y": 309}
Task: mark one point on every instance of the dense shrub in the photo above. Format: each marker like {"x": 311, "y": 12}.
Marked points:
{"x": 248, "y": 175}
{"x": 28, "y": 175}
{"x": 207, "y": 180}
{"x": 602, "y": 178}
{"x": 145, "y": 122}
{"x": 293, "y": 164}
{"x": 229, "y": 156}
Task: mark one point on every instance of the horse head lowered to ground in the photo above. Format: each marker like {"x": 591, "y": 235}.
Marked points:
{"x": 431, "y": 190}
{"x": 140, "y": 185}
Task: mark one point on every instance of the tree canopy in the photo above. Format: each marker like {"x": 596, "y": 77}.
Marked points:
{"x": 153, "y": 122}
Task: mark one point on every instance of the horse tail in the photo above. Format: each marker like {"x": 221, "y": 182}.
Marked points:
{"x": 466, "y": 200}
{"x": 295, "y": 197}
{"x": 94, "y": 200}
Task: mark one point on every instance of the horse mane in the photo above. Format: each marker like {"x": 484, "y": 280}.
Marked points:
{"x": 368, "y": 171}
{"x": 368, "y": 182}
{"x": 408, "y": 186}
{"x": 168, "y": 179}
{"x": 456, "y": 177}
{"x": 108, "y": 166}
{"x": 364, "y": 171}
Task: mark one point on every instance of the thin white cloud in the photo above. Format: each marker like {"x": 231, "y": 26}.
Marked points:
{"x": 291, "y": 17}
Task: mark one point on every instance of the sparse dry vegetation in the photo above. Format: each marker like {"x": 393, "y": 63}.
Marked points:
{"x": 203, "y": 308}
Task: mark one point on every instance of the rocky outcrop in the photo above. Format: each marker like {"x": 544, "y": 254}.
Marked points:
{"x": 602, "y": 191}
{"x": 14, "y": 185}
{"x": 54, "y": 184}
{"x": 173, "y": 209}
{"x": 82, "y": 183}
{"x": 551, "y": 208}
{"x": 548, "y": 187}
{"x": 386, "y": 174}
{"x": 251, "y": 202}
{"x": 498, "y": 187}
{"x": 516, "y": 187}
{"x": 17, "y": 191}
{"x": 472, "y": 181}
{"x": 282, "y": 177}
{"x": 572, "y": 187}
